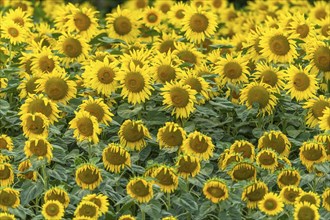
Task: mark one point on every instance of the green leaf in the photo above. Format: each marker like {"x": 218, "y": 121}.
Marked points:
{"x": 127, "y": 111}
{"x": 30, "y": 191}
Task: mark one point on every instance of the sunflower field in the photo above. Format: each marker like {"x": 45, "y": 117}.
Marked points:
{"x": 165, "y": 110}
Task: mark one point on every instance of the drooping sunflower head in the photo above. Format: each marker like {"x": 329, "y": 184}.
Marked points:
{"x": 188, "y": 166}
{"x": 140, "y": 189}
{"x": 6, "y": 142}
{"x": 243, "y": 171}
{"x": 9, "y": 198}
{"x": 310, "y": 197}
{"x": 6, "y": 174}
{"x": 52, "y": 210}
{"x": 271, "y": 204}
{"x": 127, "y": 217}
{"x": 171, "y": 135}
{"x": 267, "y": 159}
{"x": 57, "y": 194}
{"x": 276, "y": 141}
{"x": 305, "y": 210}
{"x": 24, "y": 174}
{"x": 290, "y": 193}
{"x": 288, "y": 177}
{"x": 260, "y": 94}
{"x": 312, "y": 153}
{"x": 253, "y": 193}
{"x": 199, "y": 145}
{"x": 88, "y": 176}
{"x": 100, "y": 200}
{"x": 227, "y": 157}
{"x": 98, "y": 109}
{"x": 132, "y": 134}
{"x": 325, "y": 120}
{"x": 87, "y": 209}
{"x": 7, "y": 216}
{"x": 215, "y": 190}
{"x": 324, "y": 138}
{"x": 115, "y": 158}
{"x": 166, "y": 178}
{"x": 326, "y": 199}
{"x": 38, "y": 147}
{"x": 245, "y": 148}
{"x": 85, "y": 127}
{"x": 315, "y": 107}
{"x": 35, "y": 125}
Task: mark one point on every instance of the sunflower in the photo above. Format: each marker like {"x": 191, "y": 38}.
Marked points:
{"x": 52, "y": 210}
{"x": 326, "y": 199}
{"x": 252, "y": 44}
{"x": 74, "y": 48}
{"x": 139, "y": 57}
{"x": 312, "y": 153}
{"x": 57, "y": 86}
{"x": 38, "y": 147}
{"x": 88, "y": 176}
{"x": 289, "y": 194}
{"x": 180, "y": 97}
{"x": 26, "y": 62}
{"x": 325, "y": 120}
{"x": 165, "y": 67}
{"x": 254, "y": 193}
{"x": 319, "y": 11}
{"x": 12, "y": 31}
{"x": 28, "y": 86}
{"x": 171, "y": 135}
{"x": 44, "y": 62}
{"x": 6, "y": 174}
{"x": 227, "y": 157}
{"x": 100, "y": 200}
{"x": 302, "y": 82}
{"x": 243, "y": 171}
{"x": 310, "y": 197}
{"x": 271, "y": 204}
{"x": 305, "y": 210}
{"x": 98, "y": 109}
{"x": 87, "y": 209}
{"x": 9, "y": 198}
{"x": 140, "y": 189}
{"x": 26, "y": 6}
{"x": 123, "y": 24}
{"x": 6, "y": 142}
{"x": 166, "y": 178}
{"x": 302, "y": 26}
{"x": 177, "y": 14}
{"x": 135, "y": 83}
{"x": 199, "y": 145}
{"x": 315, "y": 108}
{"x": 57, "y": 194}
{"x": 325, "y": 139}
{"x": 188, "y": 54}
{"x": 198, "y": 24}
{"x": 132, "y": 134}
{"x": 288, "y": 177}
{"x": 259, "y": 93}
{"x": 270, "y": 74}
{"x": 165, "y": 43}
{"x": 188, "y": 166}
{"x": 245, "y": 148}
{"x": 101, "y": 76}
{"x": 3, "y": 85}
{"x": 127, "y": 217}
{"x": 40, "y": 103}
{"x": 85, "y": 127}
{"x": 19, "y": 17}
{"x": 278, "y": 46}
{"x": 115, "y": 158}
{"x": 276, "y": 141}
{"x": 267, "y": 159}
{"x": 7, "y": 216}
{"x": 24, "y": 174}
{"x": 82, "y": 20}
{"x": 152, "y": 16}
{"x": 35, "y": 125}
{"x": 324, "y": 27}
{"x": 169, "y": 218}
{"x": 215, "y": 190}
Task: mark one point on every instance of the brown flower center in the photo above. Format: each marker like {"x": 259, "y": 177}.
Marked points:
{"x": 3, "y": 144}
{"x": 232, "y": 70}
{"x": 216, "y": 192}
{"x": 270, "y": 204}
{"x": 56, "y": 196}
{"x": 134, "y": 82}
{"x": 39, "y": 105}
{"x": 19, "y": 21}
{"x": 195, "y": 84}
{"x": 122, "y": 25}
{"x": 322, "y": 58}
{"x": 139, "y": 189}
{"x": 82, "y": 21}
{"x": 165, "y": 8}
{"x": 39, "y": 149}
{"x": 266, "y": 159}
{"x": 245, "y": 150}
{"x": 115, "y": 156}
{"x": 288, "y": 178}
{"x": 179, "y": 14}
{"x": 269, "y": 77}
{"x": 260, "y": 95}
{"x": 302, "y": 30}
{"x": 166, "y": 45}
{"x": 46, "y": 64}
{"x": 35, "y": 126}
{"x": 301, "y": 81}
{"x": 56, "y": 88}
{"x": 88, "y": 175}
{"x": 95, "y": 110}
{"x": 306, "y": 213}
{"x": 325, "y": 30}
{"x": 31, "y": 85}
{"x": 132, "y": 132}
{"x": 152, "y": 17}
{"x": 166, "y": 73}
{"x": 88, "y": 210}
{"x": 179, "y": 97}
{"x": 279, "y": 45}
{"x": 72, "y": 47}
{"x": 320, "y": 13}
{"x": 52, "y": 209}
{"x": 5, "y": 172}
{"x": 308, "y": 198}
{"x": 7, "y": 198}
{"x": 275, "y": 143}
{"x": 256, "y": 194}
{"x": 141, "y": 3}
{"x": 187, "y": 56}
{"x": 198, "y": 145}
{"x": 85, "y": 126}
{"x": 291, "y": 195}
{"x": 105, "y": 75}
{"x": 187, "y": 166}
{"x": 318, "y": 107}
{"x": 312, "y": 154}
{"x": 217, "y": 3}
{"x": 13, "y": 32}
{"x": 164, "y": 177}
{"x": 243, "y": 171}
{"x": 172, "y": 138}
{"x": 198, "y": 23}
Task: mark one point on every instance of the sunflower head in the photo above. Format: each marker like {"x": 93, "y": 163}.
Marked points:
{"x": 245, "y": 148}
{"x": 188, "y": 166}
{"x": 6, "y": 142}
{"x": 271, "y": 204}
{"x": 52, "y": 209}
{"x": 9, "y": 198}
{"x": 170, "y": 135}
{"x": 267, "y": 159}
{"x": 7, "y": 216}
{"x": 35, "y": 125}
{"x": 305, "y": 210}
{"x": 140, "y": 189}
{"x": 243, "y": 171}
{"x": 98, "y": 109}
{"x": 253, "y": 193}
{"x": 88, "y": 176}
{"x": 115, "y": 158}
{"x": 227, "y": 157}
{"x": 275, "y": 140}
{"x": 57, "y": 194}
{"x": 326, "y": 199}
{"x": 87, "y": 209}
{"x": 166, "y": 178}
{"x": 315, "y": 107}
{"x": 312, "y": 153}
{"x": 100, "y": 200}
{"x": 310, "y": 197}
{"x": 288, "y": 177}
{"x": 215, "y": 190}
{"x": 22, "y": 167}
{"x": 199, "y": 145}
{"x": 6, "y": 174}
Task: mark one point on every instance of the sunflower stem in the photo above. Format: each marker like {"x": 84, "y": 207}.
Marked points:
{"x": 44, "y": 175}
{"x": 143, "y": 214}
{"x": 89, "y": 152}
{"x": 168, "y": 199}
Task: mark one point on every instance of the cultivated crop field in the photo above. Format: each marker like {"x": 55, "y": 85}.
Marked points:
{"x": 165, "y": 110}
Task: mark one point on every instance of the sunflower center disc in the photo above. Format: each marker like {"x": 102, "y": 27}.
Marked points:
{"x": 216, "y": 191}
{"x": 302, "y": 30}
{"x": 270, "y": 204}
{"x": 88, "y": 176}
{"x": 3, "y": 144}
{"x": 115, "y": 158}
{"x": 179, "y": 14}
{"x": 85, "y": 126}
{"x": 322, "y": 58}
{"x": 198, "y": 23}
{"x": 13, "y": 32}
{"x": 7, "y": 198}
{"x": 40, "y": 149}
{"x": 172, "y": 138}
{"x": 87, "y": 210}
{"x": 140, "y": 189}
{"x": 141, "y": 4}
{"x": 217, "y": 3}
{"x": 56, "y": 88}
{"x": 134, "y": 82}
{"x": 187, "y": 56}
{"x": 243, "y": 172}
{"x": 269, "y": 77}
{"x": 301, "y": 81}
{"x": 122, "y": 25}
{"x": 36, "y": 126}
{"x": 179, "y": 97}
{"x": 312, "y": 154}
{"x": 318, "y": 107}
{"x": 325, "y": 30}
{"x": 165, "y": 8}
{"x": 232, "y": 70}
{"x": 166, "y": 73}
{"x": 4, "y": 172}
{"x": 131, "y": 133}
{"x": 46, "y": 64}
{"x": 52, "y": 210}
{"x": 291, "y": 195}
{"x": 279, "y": 45}
{"x": 72, "y": 47}
{"x": 187, "y": 166}
{"x": 197, "y": 145}
{"x": 152, "y": 18}
{"x": 306, "y": 213}
{"x": 256, "y": 194}
{"x": 167, "y": 45}
{"x": 266, "y": 159}
{"x": 260, "y": 95}
{"x": 194, "y": 84}
{"x": 320, "y": 14}
{"x": 82, "y": 21}
{"x": 164, "y": 178}
{"x": 56, "y": 196}
{"x": 288, "y": 179}
{"x": 19, "y": 21}
{"x": 105, "y": 75}
{"x": 95, "y": 110}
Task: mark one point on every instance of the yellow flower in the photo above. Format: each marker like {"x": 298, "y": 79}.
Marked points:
{"x": 199, "y": 145}
{"x": 310, "y": 197}
{"x": 85, "y": 127}
{"x": 132, "y": 134}
{"x": 319, "y": 11}
{"x": 198, "y": 24}
{"x": 135, "y": 83}
{"x": 152, "y": 16}
{"x": 267, "y": 159}
{"x": 38, "y": 147}
{"x": 215, "y": 190}
{"x": 28, "y": 86}
{"x": 87, "y": 209}
{"x": 245, "y": 148}
{"x": 243, "y": 171}
{"x": 3, "y": 85}
{"x": 188, "y": 54}
{"x": 325, "y": 140}
{"x": 115, "y": 158}
{"x": 302, "y": 83}
{"x": 324, "y": 27}
{"x": 29, "y": 175}
{"x": 6, "y": 174}
{"x": 52, "y": 210}
{"x": 7, "y": 216}
{"x": 35, "y": 125}
{"x": 9, "y": 198}
{"x": 276, "y": 141}
{"x": 169, "y": 218}
{"x": 312, "y": 153}
{"x": 227, "y": 157}
{"x": 165, "y": 67}
{"x": 315, "y": 107}
{"x": 288, "y": 177}
{"x": 44, "y": 62}
{"x": 12, "y": 31}
{"x": 305, "y": 210}
{"x": 57, "y": 194}
{"x": 139, "y": 57}
{"x": 6, "y": 142}
{"x": 88, "y": 176}
{"x": 177, "y": 13}
{"x": 302, "y": 26}
{"x": 98, "y": 109}
{"x": 289, "y": 194}
{"x": 171, "y": 135}
{"x": 326, "y": 199}
{"x": 126, "y": 217}
{"x": 57, "y": 86}
{"x": 180, "y": 97}
{"x": 271, "y": 204}
{"x": 324, "y": 122}
{"x": 261, "y": 94}
{"x": 140, "y": 189}
{"x": 253, "y": 193}
{"x": 166, "y": 178}
{"x": 188, "y": 166}
{"x": 19, "y": 17}
{"x": 100, "y": 200}
{"x": 164, "y": 5}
